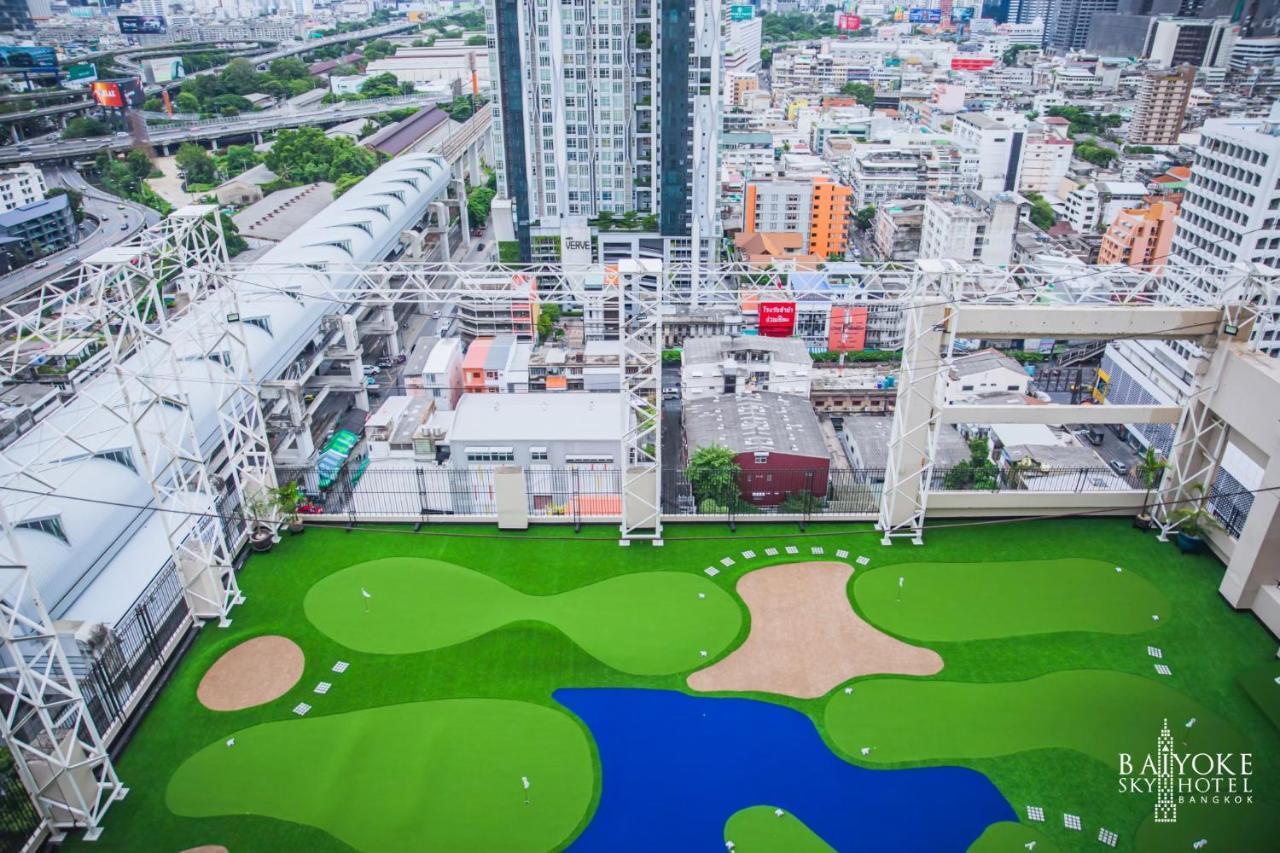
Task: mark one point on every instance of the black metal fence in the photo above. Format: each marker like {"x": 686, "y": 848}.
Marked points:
{"x": 18, "y": 816}
{"x": 407, "y": 490}
{"x": 122, "y": 660}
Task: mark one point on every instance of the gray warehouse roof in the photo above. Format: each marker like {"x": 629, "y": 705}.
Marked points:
{"x": 538, "y": 416}
{"x": 718, "y": 347}
{"x": 764, "y": 421}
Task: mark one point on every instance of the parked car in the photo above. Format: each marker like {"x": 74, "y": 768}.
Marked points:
{"x": 1094, "y": 436}
{"x": 1119, "y": 467}
{"x": 671, "y": 393}
{"x": 310, "y": 509}
{"x": 40, "y": 264}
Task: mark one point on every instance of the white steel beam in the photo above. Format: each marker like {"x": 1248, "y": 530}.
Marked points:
{"x": 1086, "y": 322}
{"x": 977, "y": 413}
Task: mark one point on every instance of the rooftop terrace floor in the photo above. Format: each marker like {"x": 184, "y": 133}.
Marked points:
{"x": 478, "y": 660}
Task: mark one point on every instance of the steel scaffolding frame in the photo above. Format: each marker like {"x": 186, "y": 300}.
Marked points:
{"x": 130, "y": 296}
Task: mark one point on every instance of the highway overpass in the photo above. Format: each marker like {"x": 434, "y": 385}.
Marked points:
{"x": 251, "y": 125}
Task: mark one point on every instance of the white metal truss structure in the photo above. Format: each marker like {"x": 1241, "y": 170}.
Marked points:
{"x": 131, "y": 295}
{"x": 126, "y": 299}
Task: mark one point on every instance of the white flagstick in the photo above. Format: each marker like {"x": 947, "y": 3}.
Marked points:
{"x": 364, "y": 592}
{"x": 901, "y": 581}
{"x": 524, "y": 780}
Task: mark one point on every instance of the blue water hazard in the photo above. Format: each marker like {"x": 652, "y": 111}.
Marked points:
{"x": 676, "y": 767}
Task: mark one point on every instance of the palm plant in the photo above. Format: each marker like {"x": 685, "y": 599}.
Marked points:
{"x": 1150, "y": 468}
{"x": 1193, "y": 520}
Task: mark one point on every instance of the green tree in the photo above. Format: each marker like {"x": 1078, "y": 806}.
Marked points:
{"x": 766, "y": 57}
{"x": 1150, "y": 468}
{"x": 381, "y": 86}
{"x": 713, "y": 474}
{"x": 479, "y": 201}
{"x": 240, "y": 77}
{"x": 231, "y": 234}
{"x": 863, "y": 218}
{"x": 378, "y": 49}
{"x": 153, "y": 104}
{"x": 241, "y": 158}
{"x": 1010, "y": 56}
{"x": 197, "y": 164}
{"x": 186, "y": 102}
{"x": 864, "y": 93}
{"x": 1042, "y": 215}
{"x": 84, "y": 126}
{"x": 306, "y": 155}
{"x": 1098, "y": 155}
{"x": 548, "y": 314}
{"x": 978, "y": 473}
{"x": 345, "y": 183}
{"x": 139, "y": 163}
{"x": 474, "y": 41}
{"x": 289, "y": 68}
{"x": 74, "y": 198}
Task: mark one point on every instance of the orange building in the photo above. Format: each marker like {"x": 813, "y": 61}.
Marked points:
{"x": 1140, "y": 237}
{"x": 817, "y": 208}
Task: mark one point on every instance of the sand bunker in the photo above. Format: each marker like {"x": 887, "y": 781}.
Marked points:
{"x": 254, "y": 672}
{"x": 206, "y": 848}
{"x": 806, "y": 638}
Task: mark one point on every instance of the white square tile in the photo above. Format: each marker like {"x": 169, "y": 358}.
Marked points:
{"x": 323, "y": 687}
{"x": 817, "y": 549}
{"x": 842, "y": 554}
{"x": 1162, "y": 669}
{"x": 862, "y": 561}
{"x": 792, "y": 549}
{"x": 1155, "y": 652}
{"x": 1071, "y": 821}
{"x": 726, "y": 562}
{"x": 301, "y": 709}
{"x": 1108, "y": 837}
{"x": 1035, "y": 813}
{"x": 340, "y": 667}
{"x": 748, "y": 555}
{"x": 711, "y": 571}
{"x": 771, "y": 552}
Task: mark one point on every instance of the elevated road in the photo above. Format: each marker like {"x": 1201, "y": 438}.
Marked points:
{"x": 116, "y": 221}
{"x": 249, "y": 124}
{"x": 262, "y": 61}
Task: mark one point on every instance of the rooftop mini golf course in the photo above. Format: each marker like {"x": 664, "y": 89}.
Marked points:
{"x": 480, "y": 661}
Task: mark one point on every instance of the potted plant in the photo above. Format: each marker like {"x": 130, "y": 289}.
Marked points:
{"x": 1193, "y": 522}
{"x": 287, "y": 499}
{"x": 258, "y": 512}
{"x": 1150, "y": 468}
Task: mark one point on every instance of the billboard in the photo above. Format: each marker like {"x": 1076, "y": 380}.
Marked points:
{"x": 743, "y": 12}
{"x": 848, "y": 23}
{"x": 976, "y": 63}
{"x": 163, "y": 70}
{"x": 925, "y": 16}
{"x": 848, "y": 329}
{"x": 777, "y": 319}
{"x": 42, "y": 60}
{"x": 82, "y": 73}
{"x": 963, "y": 14}
{"x": 118, "y": 94}
{"x": 142, "y": 25}
{"x": 416, "y": 16}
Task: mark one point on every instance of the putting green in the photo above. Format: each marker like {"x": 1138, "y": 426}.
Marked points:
{"x": 980, "y": 601}
{"x": 1096, "y": 712}
{"x": 1010, "y": 837}
{"x": 443, "y": 775}
{"x": 759, "y": 829}
{"x": 649, "y": 623}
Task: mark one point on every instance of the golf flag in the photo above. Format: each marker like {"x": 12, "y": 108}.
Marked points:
{"x": 524, "y": 780}
{"x": 365, "y": 592}
{"x": 901, "y": 581}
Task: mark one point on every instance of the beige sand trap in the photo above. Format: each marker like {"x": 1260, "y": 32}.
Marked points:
{"x": 254, "y": 672}
{"x": 206, "y": 848}
{"x": 806, "y": 638}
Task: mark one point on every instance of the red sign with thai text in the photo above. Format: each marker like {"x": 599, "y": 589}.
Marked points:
{"x": 777, "y": 319}
{"x": 848, "y": 331}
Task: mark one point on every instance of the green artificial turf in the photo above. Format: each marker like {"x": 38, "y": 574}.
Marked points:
{"x": 1263, "y": 687}
{"x": 1009, "y": 837}
{"x": 979, "y": 601}
{"x": 444, "y": 775}
{"x": 759, "y": 829}
{"x": 1206, "y": 643}
{"x": 650, "y": 623}
{"x": 1096, "y": 712}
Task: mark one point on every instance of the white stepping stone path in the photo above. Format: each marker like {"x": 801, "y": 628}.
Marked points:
{"x": 792, "y": 549}
{"x": 323, "y": 687}
{"x": 1071, "y": 821}
{"x": 748, "y": 555}
{"x": 711, "y": 571}
{"x": 727, "y": 562}
{"x": 862, "y": 561}
{"x": 771, "y": 552}
{"x": 301, "y": 709}
{"x": 842, "y": 554}
{"x": 1108, "y": 837}
{"x": 1155, "y": 652}
{"x": 1035, "y": 813}
{"x": 340, "y": 667}
{"x": 1162, "y": 669}
{"x": 816, "y": 549}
